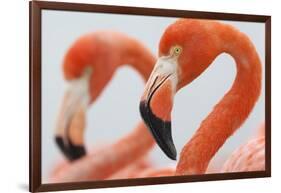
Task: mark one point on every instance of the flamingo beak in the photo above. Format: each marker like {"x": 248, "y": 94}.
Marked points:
{"x": 156, "y": 104}
{"x": 69, "y": 130}
{"x": 69, "y": 133}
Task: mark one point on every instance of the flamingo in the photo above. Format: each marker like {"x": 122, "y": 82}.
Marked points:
{"x": 249, "y": 156}
{"x": 186, "y": 49}
{"x": 88, "y": 66}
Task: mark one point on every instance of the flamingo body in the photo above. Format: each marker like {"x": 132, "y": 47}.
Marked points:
{"x": 249, "y": 157}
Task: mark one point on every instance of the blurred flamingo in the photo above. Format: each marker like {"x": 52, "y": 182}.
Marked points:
{"x": 88, "y": 66}
{"x": 132, "y": 170}
{"x": 248, "y": 157}
{"x": 186, "y": 49}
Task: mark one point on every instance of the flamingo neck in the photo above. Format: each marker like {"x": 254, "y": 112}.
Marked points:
{"x": 138, "y": 57}
{"x": 232, "y": 110}
{"x": 139, "y": 141}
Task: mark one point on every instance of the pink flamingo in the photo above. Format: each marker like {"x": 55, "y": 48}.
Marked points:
{"x": 249, "y": 156}
{"x": 88, "y": 66}
{"x": 186, "y": 49}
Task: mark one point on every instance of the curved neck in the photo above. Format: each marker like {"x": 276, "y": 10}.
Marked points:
{"x": 137, "y": 56}
{"x": 231, "y": 111}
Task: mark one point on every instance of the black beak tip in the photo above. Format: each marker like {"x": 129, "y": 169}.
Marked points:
{"x": 171, "y": 152}
{"x": 161, "y": 130}
{"x": 72, "y": 152}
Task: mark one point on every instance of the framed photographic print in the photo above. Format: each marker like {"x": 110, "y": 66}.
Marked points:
{"x": 123, "y": 96}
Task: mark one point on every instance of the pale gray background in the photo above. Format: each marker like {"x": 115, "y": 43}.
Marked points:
{"x": 60, "y": 29}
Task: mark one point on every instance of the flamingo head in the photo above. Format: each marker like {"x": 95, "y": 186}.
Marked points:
{"x": 71, "y": 120}
{"x": 85, "y": 81}
{"x": 185, "y": 51}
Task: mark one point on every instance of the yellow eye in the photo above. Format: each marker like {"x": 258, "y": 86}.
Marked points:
{"x": 177, "y": 50}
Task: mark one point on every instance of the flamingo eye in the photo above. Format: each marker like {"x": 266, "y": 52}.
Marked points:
{"x": 177, "y": 50}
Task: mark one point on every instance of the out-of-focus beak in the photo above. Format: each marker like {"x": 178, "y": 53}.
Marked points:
{"x": 156, "y": 104}
{"x": 69, "y": 133}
